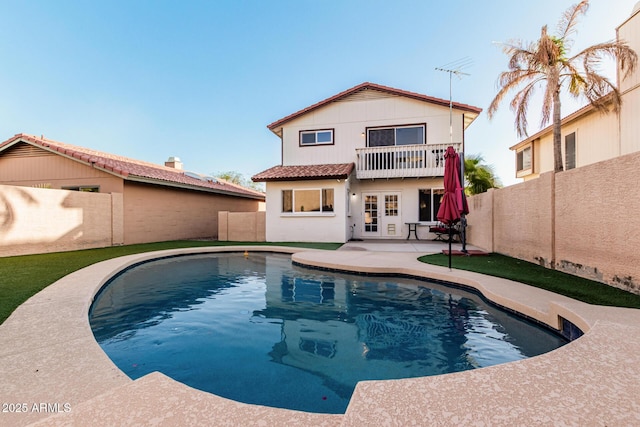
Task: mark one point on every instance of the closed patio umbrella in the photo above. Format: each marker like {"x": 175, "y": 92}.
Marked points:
{"x": 454, "y": 203}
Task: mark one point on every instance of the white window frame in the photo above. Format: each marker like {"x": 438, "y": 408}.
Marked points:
{"x": 432, "y": 195}
{"x": 570, "y": 165}
{"x": 395, "y": 132}
{"x": 526, "y": 168}
{"x": 293, "y": 211}
{"x": 315, "y": 133}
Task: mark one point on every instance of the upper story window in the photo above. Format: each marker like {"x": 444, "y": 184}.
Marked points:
{"x": 524, "y": 161}
{"x": 570, "y": 150}
{"x": 396, "y": 135}
{"x": 316, "y": 137}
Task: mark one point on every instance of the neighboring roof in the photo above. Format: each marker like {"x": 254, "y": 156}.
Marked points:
{"x": 372, "y": 86}
{"x": 134, "y": 170}
{"x": 306, "y": 172}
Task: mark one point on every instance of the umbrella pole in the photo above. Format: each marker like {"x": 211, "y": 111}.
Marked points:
{"x": 450, "y": 237}
{"x": 463, "y": 234}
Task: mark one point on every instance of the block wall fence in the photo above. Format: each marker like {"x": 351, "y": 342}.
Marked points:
{"x": 36, "y": 220}
{"x": 39, "y": 220}
{"x": 583, "y": 221}
{"x": 242, "y": 226}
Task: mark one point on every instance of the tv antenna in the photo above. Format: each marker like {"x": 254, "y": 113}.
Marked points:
{"x": 454, "y": 68}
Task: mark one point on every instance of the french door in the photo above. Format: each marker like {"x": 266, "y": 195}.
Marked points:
{"x": 381, "y": 215}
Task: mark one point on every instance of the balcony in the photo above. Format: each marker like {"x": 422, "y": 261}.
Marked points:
{"x": 402, "y": 161}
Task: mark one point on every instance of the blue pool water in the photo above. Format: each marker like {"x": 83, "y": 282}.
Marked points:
{"x": 258, "y": 330}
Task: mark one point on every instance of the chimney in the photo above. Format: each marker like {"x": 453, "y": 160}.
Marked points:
{"x": 174, "y": 162}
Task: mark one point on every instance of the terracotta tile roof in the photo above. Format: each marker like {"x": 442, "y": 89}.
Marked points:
{"x": 372, "y": 86}
{"x": 305, "y": 172}
{"x": 134, "y": 170}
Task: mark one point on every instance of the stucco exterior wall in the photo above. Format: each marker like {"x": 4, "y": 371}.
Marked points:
{"x": 155, "y": 214}
{"x": 308, "y": 226}
{"x": 629, "y": 31}
{"x": 408, "y": 189}
{"x": 545, "y": 154}
{"x": 597, "y": 138}
{"x": 350, "y": 117}
{"x": 34, "y": 220}
{"x": 629, "y": 123}
{"x": 594, "y": 233}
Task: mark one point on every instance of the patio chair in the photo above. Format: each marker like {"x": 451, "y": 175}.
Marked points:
{"x": 442, "y": 232}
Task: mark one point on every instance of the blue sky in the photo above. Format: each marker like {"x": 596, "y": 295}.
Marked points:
{"x": 201, "y": 80}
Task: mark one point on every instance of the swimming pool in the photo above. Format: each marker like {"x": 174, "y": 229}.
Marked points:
{"x": 258, "y": 330}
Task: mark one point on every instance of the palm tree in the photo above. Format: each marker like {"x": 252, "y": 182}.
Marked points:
{"x": 479, "y": 177}
{"x": 546, "y": 62}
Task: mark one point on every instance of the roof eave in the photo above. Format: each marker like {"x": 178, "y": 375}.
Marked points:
{"x": 276, "y": 127}
{"x": 547, "y": 130}
{"x": 301, "y": 178}
{"x": 10, "y": 143}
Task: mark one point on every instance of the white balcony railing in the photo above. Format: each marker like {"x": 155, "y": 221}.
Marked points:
{"x": 402, "y": 161}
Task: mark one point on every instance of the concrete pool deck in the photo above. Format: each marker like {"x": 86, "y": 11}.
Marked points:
{"x": 54, "y": 372}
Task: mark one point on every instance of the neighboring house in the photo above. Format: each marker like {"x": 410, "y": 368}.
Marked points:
{"x": 158, "y": 202}
{"x": 362, "y": 164}
{"x": 589, "y": 136}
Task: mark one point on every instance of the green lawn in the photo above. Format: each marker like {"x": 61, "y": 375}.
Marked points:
{"x": 24, "y": 276}
{"x": 536, "y": 275}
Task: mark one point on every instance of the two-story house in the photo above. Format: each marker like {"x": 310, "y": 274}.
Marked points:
{"x": 362, "y": 164}
{"x": 587, "y": 135}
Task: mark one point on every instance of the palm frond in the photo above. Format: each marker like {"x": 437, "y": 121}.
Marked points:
{"x": 592, "y": 56}
{"x": 577, "y": 84}
{"x": 569, "y": 19}
{"x": 551, "y": 89}
{"x": 520, "y": 106}
{"x": 508, "y": 81}
{"x": 601, "y": 91}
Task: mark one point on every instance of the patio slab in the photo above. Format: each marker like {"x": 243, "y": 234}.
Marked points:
{"x": 401, "y": 245}
{"x": 49, "y": 356}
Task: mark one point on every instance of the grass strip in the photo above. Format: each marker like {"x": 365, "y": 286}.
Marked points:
{"x": 25, "y": 276}
{"x": 532, "y": 274}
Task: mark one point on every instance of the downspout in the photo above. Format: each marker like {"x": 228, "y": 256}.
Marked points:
{"x": 281, "y": 146}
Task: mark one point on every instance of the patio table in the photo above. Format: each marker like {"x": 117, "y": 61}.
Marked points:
{"x": 413, "y": 227}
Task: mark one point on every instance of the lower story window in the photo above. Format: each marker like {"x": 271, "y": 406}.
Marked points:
{"x": 87, "y": 188}
{"x": 428, "y": 203}
{"x": 307, "y": 200}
